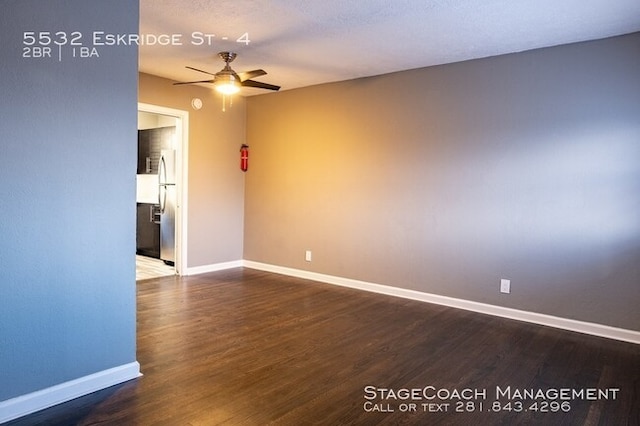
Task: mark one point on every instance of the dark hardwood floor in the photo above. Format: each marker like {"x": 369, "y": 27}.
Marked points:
{"x": 243, "y": 347}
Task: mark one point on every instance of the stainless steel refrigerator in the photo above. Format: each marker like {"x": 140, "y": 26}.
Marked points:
{"x": 167, "y": 200}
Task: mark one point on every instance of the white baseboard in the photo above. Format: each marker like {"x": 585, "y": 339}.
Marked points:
{"x": 532, "y": 317}
{"x": 213, "y": 267}
{"x": 45, "y": 398}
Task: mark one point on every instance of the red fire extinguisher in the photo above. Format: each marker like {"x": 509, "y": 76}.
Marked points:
{"x": 244, "y": 157}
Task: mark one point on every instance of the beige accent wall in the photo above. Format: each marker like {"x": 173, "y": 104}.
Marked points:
{"x": 449, "y": 178}
{"x": 216, "y": 183}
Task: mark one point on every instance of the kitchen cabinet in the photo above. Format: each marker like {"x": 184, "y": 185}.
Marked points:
{"x": 148, "y": 230}
{"x": 150, "y": 143}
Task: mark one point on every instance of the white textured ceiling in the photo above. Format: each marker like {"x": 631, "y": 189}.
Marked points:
{"x": 306, "y": 42}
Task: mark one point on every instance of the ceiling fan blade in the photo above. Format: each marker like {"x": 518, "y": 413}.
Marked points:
{"x": 196, "y": 69}
{"x": 251, "y": 74}
{"x": 259, "y": 85}
{"x": 193, "y": 82}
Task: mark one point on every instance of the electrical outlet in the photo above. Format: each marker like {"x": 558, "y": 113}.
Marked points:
{"x": 307, "y": 256}
{"x": 505, "y": 286}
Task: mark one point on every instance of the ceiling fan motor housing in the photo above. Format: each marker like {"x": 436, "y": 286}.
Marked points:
{"x": 227, "y": 75}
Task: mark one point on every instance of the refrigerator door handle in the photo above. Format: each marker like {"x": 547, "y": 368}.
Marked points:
{"x": 162, "y": 171}
{"x": 162, "y": 197}
{"x": 162, "y": 190}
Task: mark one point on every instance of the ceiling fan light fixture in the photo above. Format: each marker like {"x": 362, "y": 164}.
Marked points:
{"x": 227, "y": 85}
{"x": 227, "y": 88}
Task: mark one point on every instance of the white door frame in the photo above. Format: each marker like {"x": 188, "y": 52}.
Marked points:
{"x": 182, "y": 169}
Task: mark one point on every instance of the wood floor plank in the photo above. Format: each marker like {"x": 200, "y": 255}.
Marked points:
{"x": 244, "y": 347}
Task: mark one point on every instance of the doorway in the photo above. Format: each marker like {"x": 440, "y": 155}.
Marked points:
{"x": 161, "y": 194}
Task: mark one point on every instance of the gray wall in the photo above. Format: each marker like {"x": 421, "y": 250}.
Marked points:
{"x": 67, "y": 216}
{"x": 448, "y": 178}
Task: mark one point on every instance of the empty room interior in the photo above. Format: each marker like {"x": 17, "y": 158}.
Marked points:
{"x": 399, "y": 213}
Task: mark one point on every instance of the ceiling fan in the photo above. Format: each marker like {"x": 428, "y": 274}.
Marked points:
{"x": 228, "y": 82}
